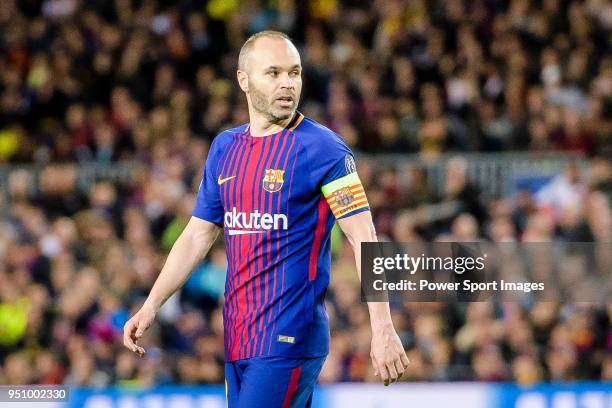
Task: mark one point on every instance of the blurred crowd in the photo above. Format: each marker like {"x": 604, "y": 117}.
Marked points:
{"x": 151, "y": 83}
{"x": 116, "y": 80}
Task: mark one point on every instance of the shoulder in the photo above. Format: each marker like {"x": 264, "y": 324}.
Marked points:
{"x": 226, "y": 137}
{"x": 317, "y": 137}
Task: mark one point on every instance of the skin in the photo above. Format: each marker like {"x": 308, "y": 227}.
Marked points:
{"x": 272, "y": 70}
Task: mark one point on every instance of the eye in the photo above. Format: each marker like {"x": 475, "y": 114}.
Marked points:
{"x": 295, "y": 73}
{"x": 273, "y": 74}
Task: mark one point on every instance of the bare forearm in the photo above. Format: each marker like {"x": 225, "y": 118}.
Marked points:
{"x": 186, "y": 252}
{"x": 380, "y": 315}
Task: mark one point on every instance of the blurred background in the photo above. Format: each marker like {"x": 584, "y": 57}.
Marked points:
{"x": 482, "y": 119}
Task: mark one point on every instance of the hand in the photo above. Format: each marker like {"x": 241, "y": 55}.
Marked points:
{"x": 388, "y": 356}
{"x": 135, "y": 328}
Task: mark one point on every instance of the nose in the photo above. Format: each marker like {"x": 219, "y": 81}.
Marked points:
{"x": 286, "y": 81}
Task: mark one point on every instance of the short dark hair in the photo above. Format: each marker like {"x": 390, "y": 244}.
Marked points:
{"x": 250, "y": 42}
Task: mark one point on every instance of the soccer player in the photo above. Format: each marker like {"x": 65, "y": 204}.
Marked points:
{"x": 276, "y": 186}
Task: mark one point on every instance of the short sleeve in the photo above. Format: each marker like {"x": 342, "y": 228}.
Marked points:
{"x": 208, "y": 204}
{"x": 340, "y": 183}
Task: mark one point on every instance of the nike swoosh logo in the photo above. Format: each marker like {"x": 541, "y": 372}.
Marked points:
{"x": 224, "y": 180}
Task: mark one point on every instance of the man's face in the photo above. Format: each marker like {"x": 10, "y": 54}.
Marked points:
{"x": 274, "y": 78}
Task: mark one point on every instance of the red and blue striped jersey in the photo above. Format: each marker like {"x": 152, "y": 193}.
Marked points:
{"x": 276, "y": 197}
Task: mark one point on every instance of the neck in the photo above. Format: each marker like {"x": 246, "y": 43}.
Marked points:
{"x": 259, "y": 125}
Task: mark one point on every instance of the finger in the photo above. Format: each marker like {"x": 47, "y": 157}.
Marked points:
{"x": 399, "y": 367}
{"x": 392, "y": 371}
{"x": 129, "y": 340}
{"x": 140, "y": 330}
{"x": 375, "y": 365}
{"x": 138, "y": 349}
{"x": 127, "y": 335}
{"x": 384, "y": 374}
{"x": 405, "y": 360}
{"x": 130, "y": 344}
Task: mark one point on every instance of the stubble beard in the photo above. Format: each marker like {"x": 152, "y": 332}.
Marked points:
{"x": 262, "y": 105}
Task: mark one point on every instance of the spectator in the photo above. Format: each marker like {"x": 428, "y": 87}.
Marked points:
{"x": 150, "y": 83}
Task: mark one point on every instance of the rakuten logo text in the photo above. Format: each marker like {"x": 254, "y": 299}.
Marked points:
{"x": 239, "y": 223}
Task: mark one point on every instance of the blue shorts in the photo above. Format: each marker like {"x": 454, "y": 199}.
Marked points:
{"x": 271, "y": 382}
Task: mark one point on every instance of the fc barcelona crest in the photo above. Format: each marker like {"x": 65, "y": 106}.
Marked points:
{"x": 273, "y": 180}
{"x": 344, "y": 196}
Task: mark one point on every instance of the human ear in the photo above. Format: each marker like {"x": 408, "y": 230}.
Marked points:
{"x": 243, "y": 80}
